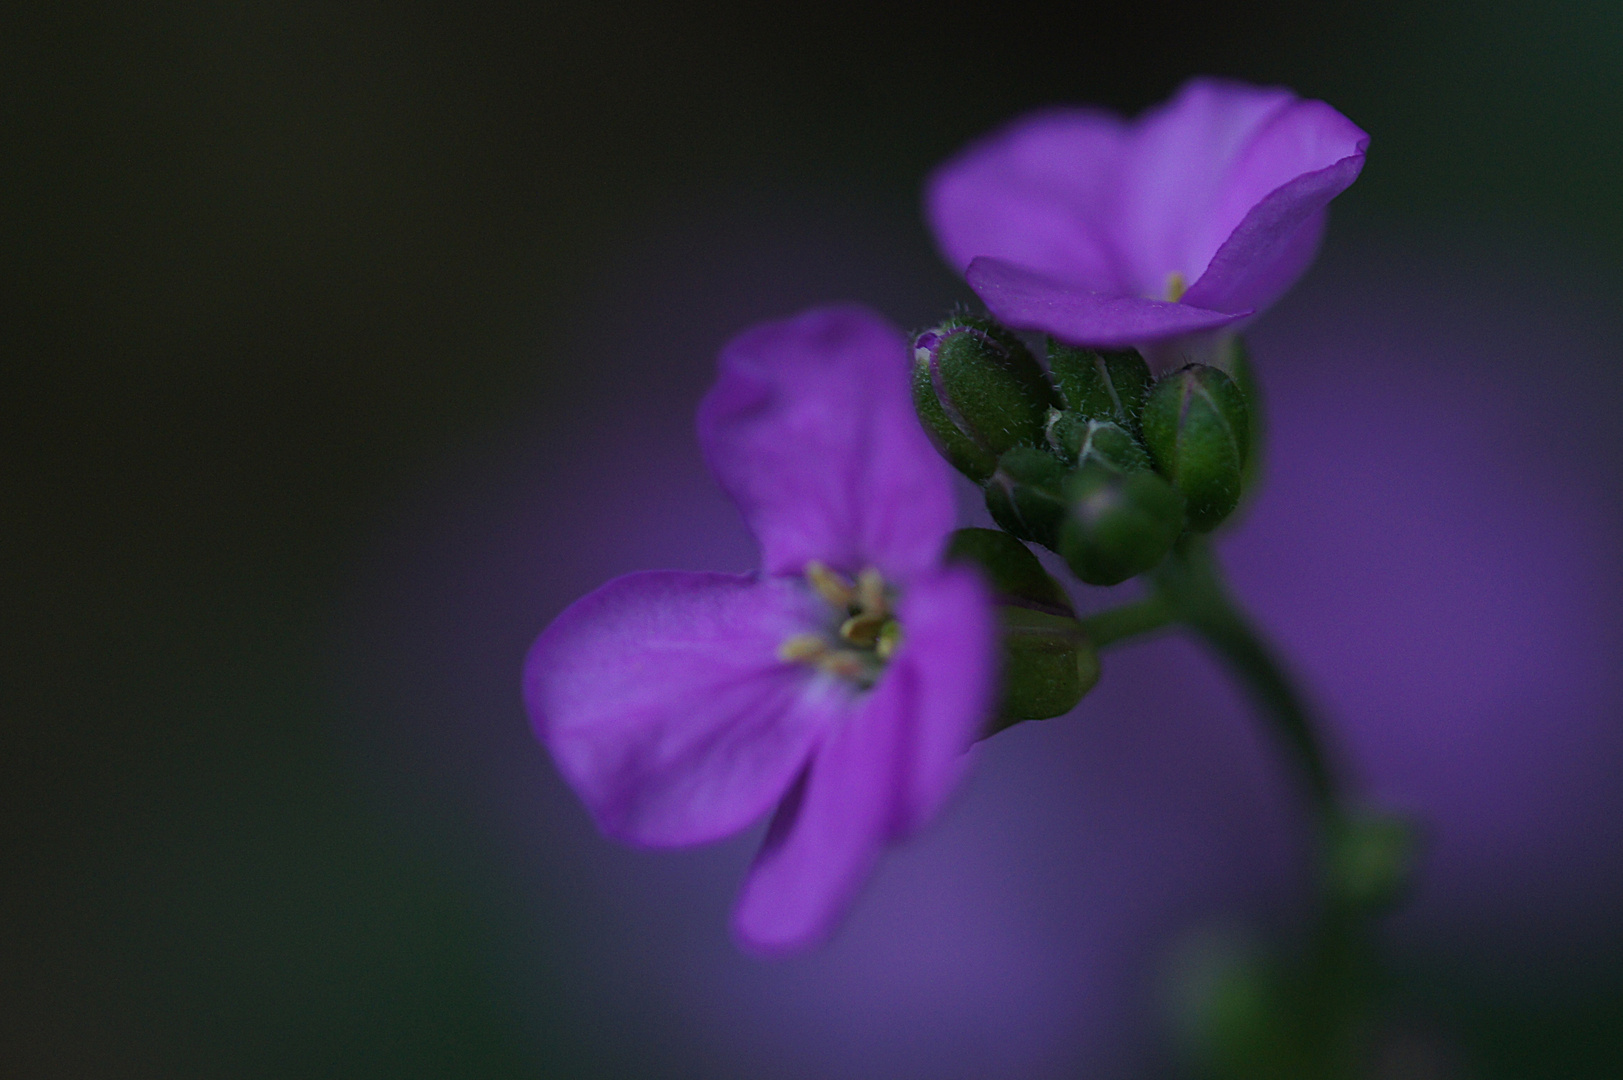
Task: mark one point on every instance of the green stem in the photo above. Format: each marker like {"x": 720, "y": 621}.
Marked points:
{"x": 1107, "y": 627}
{"x": 1327, "y": 1002}
{"x": 1191, "y": 582}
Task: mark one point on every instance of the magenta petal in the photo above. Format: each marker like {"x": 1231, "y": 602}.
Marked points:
{"x": 885, "y": 771}
{"x": 810, "y": 429}
{"x": 664, "y": 703}
{"x": 1026, "y": 300}
{"x": 1040, "y": 193}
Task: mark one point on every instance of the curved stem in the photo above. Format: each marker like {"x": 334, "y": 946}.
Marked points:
{"x": 1192, "y": 585}
{"x": 1130, "y": 620}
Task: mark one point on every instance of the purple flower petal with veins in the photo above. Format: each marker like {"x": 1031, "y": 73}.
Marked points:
{"x": 842, "y": 685}
{"x": 1101, "y": 232}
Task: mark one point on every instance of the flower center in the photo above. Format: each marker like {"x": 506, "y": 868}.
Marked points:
{"x": 864, "y": 631}
{"x": 1177, "y": 285}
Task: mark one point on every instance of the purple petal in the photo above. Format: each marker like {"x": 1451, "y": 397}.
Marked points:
{"x": 1276, "y": 238}
{"x": 1223, "y": 186}
{"x": 1200, "y": 165}
{"x": 886, "y": 771}
{"x": 1174, "y": 177}
{"x": 950, "y": 636}
{"x": 1039, "y": 192}
{"x": 810, "y": 429}
{"x": 665, "y": 705}
{"x": 1026, "y": 300}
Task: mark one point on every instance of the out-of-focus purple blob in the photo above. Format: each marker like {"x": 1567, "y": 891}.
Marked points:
{"x": 1101, "y": 232}
{"x": 1437, "y": 549}
{"x": 667, "y": 698}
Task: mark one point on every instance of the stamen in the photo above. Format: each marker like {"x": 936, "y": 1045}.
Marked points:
{"x": 803, "y": 649}
{"x": 871, "y": 591}
{"x": 831, "y": 585}
{"x": 863, "y": 629}
{"x": 868, "y": 632}
{"x": 1177, "y": 285}
{"x": 890, "y": 639}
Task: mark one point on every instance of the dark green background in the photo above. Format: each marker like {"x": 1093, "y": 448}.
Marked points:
{"x": 268, "y": 267}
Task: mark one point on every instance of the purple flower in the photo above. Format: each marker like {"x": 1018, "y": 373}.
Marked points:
{"x": 842, "y": 684}
{"x": 1107, "y": 233}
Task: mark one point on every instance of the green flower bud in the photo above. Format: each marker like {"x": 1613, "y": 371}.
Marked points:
{"x": 1237, "y": 362}
{"x": 1048, "y": 662}
{"x": 1197, "y": 426}
{"x": 1010, "y": 568}
{"x": 1026, "y": 495}
{"x": 1079, "y": 441}
{"x": 1048, "y": 665}
{"x": 961, "y": 452}
{"x": 979, "y": 393}
{"x": 1241, "y": 1012}
{"x": 1369, "y": 860}
{"x": 1118, "y": 524}
{"x": 1100, "y": 385}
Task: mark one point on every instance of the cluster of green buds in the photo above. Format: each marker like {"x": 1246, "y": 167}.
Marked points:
{"x": 1093, "y": 458}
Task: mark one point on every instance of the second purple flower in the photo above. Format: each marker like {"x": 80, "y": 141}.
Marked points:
{"x": 839, "y": 688}
{"x": 1109, "y": 233}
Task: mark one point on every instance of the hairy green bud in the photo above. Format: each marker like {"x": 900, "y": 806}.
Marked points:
{"x": 1197, "y": 426}
{"x": 1026, "y": 496}
{"x": 1048, "y": 661}
{"x": 979, "y": 393}
{"x": 1101, "y": 385}
{"x": 1010, "y": 568}
{"x": 1080, "y": 441}
{"x": 1118, "y": 524}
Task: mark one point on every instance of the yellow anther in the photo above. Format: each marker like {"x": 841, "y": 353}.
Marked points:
{"x": 803, "y": 649}
{"x": 831, "y": 585}
{"x": 867, "y": 631}
{"x": 863, "y": 630}
{"x": 890, "y": 637}
{"x": 1177, "y": 285}
{"x": 871, "y": 591}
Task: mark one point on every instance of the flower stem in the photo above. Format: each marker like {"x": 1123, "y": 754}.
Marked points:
{"x": 1325, "y": 1003}
{"x": 1191, "y": 584}
{"x": 1108, "y": 627}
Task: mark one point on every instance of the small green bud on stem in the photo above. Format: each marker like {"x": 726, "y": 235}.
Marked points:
{"x": 1026, "y": 495}
{"x": 1369, "y": 861}
{"x": 1118, "y": 524}
{"x": 1100, "y": 385}
{"x": 979, "y": 393}
{"x": 1048, "y": 661}
{"x": 1197, "y": 426}
{"x": 1080, "y": 441}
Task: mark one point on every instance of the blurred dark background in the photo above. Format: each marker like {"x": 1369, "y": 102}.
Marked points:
{"x": 271, "y": 270}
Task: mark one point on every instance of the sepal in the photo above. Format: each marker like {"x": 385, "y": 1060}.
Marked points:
{"x": 1048, "y": 665}
{"x": 1100, "y": 384}
{"x": 1011, "y": 570}
{"x": 1079, "y": 441}
{"x": 1197, "y": 426}
{"x": 1026, "y": 495}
